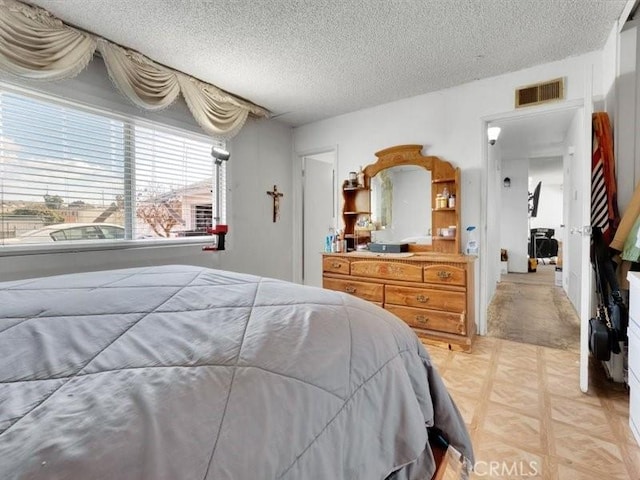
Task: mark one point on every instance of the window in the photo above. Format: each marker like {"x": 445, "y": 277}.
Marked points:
{"x": 70, "y": 173}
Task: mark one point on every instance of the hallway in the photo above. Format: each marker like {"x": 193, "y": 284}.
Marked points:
{"x": 529, "y": 308}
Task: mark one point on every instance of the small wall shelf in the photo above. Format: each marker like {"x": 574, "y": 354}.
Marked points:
{"x": 444, "y": 180}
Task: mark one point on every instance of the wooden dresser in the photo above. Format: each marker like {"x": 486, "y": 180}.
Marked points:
{"x": 433, "y": 293}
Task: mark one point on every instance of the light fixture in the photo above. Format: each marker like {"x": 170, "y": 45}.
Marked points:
{"x": 506, "y": 182}
{"x": 220, "y": 155}
{"x": 493, "y": 133}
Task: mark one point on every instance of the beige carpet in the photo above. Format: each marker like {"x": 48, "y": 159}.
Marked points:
{"x": 529, "y": 308}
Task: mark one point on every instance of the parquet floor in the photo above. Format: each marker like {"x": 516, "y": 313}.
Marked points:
{"x": 528, "y": 418}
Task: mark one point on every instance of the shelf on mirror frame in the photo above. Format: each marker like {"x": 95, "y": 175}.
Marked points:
{"x": 443, "y": 238}
{"x": 354, "y": 188}
{"x": 356, "y": 213}
{"x": 447, "y": 209}
{"x": 443, "y": 180}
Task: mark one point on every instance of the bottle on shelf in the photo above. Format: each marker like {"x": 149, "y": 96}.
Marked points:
{"x": 452, "y": 201}
{"x": 360, "y": 177}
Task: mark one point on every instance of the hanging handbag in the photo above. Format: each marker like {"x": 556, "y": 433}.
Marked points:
{"x": 603, "y": 338}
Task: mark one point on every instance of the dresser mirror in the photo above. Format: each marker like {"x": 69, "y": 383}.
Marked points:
{"x": 401, "y": 205}
{"x": 402, "y": 186}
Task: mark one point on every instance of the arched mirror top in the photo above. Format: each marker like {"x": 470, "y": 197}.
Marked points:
{"x": 410, "y": 155}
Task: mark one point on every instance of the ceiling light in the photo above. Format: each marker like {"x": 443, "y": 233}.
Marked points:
{"x": 493, "y": 133}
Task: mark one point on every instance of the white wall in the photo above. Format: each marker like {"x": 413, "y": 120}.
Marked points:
{"x": 627, "y": 115}
{"x": 450, "y": 125}
{"x": 260, "y": 158}
{"x": 514, "y": 218}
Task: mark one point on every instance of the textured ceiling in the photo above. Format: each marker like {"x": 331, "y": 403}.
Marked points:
{"x": 535, "y": 135}
{"x": 306, "y": 60}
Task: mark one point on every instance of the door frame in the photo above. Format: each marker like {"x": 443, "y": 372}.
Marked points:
{"x": 586, "y": 104}
{"x": 484, "y": 216}
{"x": 298, "y": 210}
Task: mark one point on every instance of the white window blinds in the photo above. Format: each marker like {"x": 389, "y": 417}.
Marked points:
{"x": 68, "y": 173}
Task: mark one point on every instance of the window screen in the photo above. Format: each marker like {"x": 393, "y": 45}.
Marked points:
{"x": 68, "y": 173}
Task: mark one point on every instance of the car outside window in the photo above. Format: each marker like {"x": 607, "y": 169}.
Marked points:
{"x": 112, "y": 233}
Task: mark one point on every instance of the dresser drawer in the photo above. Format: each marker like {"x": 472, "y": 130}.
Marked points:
{"x": 430, "y": 319}
{"x": 445, "y": 274}
{"x": 390, "y": 270}
{"x": 426, "y": 298}
{"x": 335, "y": 265}
{"x": 367, "y": 291}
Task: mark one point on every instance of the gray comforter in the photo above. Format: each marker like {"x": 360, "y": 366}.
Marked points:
{"x": 182, "y": 372}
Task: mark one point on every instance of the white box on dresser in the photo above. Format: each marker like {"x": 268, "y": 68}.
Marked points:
{"x": 634, "y": 353}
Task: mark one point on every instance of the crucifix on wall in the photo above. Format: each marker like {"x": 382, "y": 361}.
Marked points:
{"x": 275, "y": 195}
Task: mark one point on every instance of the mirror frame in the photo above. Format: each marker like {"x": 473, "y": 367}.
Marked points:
{"x": 441, "y": 172}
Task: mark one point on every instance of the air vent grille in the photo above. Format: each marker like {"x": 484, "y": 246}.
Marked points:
{"x": 540, "y": 93}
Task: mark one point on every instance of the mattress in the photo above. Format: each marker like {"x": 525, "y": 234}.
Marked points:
{"x": 182, "y": 372}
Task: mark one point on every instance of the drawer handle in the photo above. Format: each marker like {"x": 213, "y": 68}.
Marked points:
{"x": 350, "y": 289}
{"x": 443, "y": 274}
{"x": 422, "y": 299}
{"x": 422, "y": 319}
{"x": 336, "y": 265}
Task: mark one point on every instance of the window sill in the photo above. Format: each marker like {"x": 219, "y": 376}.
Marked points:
{"x": 16, "y": 251}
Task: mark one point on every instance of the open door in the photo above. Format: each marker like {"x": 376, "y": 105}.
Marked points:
{"x": 318, "y": 213}
{"x": 582, "y": 233}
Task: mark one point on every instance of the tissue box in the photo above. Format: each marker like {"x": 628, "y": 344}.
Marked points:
{"x": 388, "y": 247}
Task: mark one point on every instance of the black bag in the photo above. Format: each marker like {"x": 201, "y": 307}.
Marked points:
{"x": 619, "y": 315}
{"x": 602, "y": 339}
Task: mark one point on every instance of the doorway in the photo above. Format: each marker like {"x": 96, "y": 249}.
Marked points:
{"x": 530, "y": 304}
{"x": 318, "y": 211}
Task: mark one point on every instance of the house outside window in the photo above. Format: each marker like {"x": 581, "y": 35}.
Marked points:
{"x": 202, "y": 217}
{"x": 72, "y": 173}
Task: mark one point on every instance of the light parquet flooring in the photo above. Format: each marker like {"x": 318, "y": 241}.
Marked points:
{"x": 528, "y": 418}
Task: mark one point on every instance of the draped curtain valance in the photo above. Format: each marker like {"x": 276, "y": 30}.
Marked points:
{"x": 37, "y": 46}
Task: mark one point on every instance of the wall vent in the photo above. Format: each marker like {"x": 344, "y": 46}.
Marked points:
{"x": 540, "y": 93}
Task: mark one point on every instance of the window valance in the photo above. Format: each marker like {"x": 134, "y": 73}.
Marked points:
{"x": 36, "y": 45}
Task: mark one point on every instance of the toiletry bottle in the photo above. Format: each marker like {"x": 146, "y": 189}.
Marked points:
{"x": 361, "y": 177}
{"x": 328, "y": 241}
{"x": 338, "y": 242}
{"x": 452, "y": 201}
{"x": 472, "y": 244}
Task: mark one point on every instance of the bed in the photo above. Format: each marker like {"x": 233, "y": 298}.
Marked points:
{"x": 182, "y": 372}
